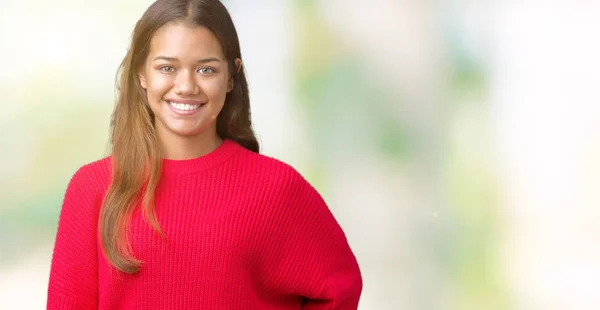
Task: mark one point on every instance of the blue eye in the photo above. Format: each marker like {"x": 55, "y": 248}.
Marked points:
{"x": 206, "y": 70}
{"x": 167, "y": 69}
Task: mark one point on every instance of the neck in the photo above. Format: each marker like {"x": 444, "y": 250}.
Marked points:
{"x": 177, "y": 147}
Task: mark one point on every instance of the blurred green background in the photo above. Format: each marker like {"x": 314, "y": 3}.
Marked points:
{"x": 457, "y": 142}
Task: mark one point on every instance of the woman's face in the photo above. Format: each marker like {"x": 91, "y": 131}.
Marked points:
{"x": 186, "y": 79}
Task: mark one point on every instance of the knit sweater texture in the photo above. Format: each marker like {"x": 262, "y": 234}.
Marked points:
{"x": 242, "y": 231}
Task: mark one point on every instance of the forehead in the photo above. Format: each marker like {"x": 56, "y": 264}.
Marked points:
{"x": 183, "y": 40}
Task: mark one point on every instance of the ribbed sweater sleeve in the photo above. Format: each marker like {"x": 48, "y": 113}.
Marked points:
{"x": 311, "y": 255}
{"x": 74, "y": 267}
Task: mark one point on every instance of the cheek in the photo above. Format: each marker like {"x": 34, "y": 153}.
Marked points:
{"x": 216, "y": 89}
{"x": 158, "y": 85}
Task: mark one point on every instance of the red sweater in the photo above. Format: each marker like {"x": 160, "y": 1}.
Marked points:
{"x": 243, "y": 231}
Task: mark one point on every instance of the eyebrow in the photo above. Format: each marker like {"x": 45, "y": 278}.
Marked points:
{"x": 174, "y": 59}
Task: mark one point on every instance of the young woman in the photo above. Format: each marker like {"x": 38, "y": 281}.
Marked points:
{"x": 185, "y": 213}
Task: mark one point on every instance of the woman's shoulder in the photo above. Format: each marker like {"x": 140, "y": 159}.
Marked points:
{"x": 274, "y": 173}
{"x": 95, "y": 174}
{"x": 269, "y": 166}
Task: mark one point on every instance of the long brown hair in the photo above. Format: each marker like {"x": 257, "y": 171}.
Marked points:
{"x": 136, "y": 158}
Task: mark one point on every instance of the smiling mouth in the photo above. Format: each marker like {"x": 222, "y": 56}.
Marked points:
{"x": 185, "y": 106}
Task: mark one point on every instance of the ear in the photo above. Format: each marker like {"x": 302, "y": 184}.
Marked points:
{"x": 142, "y": 77}
{"x": 238, "y": 67}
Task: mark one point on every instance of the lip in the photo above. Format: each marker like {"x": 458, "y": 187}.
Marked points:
{"x": 185, "y": 101}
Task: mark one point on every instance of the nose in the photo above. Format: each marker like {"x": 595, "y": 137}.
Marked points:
{"x": 185, "y": 84}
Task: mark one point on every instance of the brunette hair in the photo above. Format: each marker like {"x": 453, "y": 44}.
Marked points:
{"x": 136, "y": 158}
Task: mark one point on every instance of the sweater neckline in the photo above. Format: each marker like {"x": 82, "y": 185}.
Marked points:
{"x": 218, "y": 156}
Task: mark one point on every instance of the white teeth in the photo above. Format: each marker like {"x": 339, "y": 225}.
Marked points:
{"x": 183, "y": 106}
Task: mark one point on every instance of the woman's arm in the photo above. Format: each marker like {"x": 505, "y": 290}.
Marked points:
{"x": 312, "y": 257}
{"x": 74, "y": 270}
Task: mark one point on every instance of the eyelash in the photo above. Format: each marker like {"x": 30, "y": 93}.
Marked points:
{"x": 163, "y": 69}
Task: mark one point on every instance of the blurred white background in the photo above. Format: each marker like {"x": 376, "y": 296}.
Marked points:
{"x": 457, "y": 142}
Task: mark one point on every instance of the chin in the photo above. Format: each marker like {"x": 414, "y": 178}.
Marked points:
{"x": 191, "y": 132}
{"x": 188, "y": 133}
